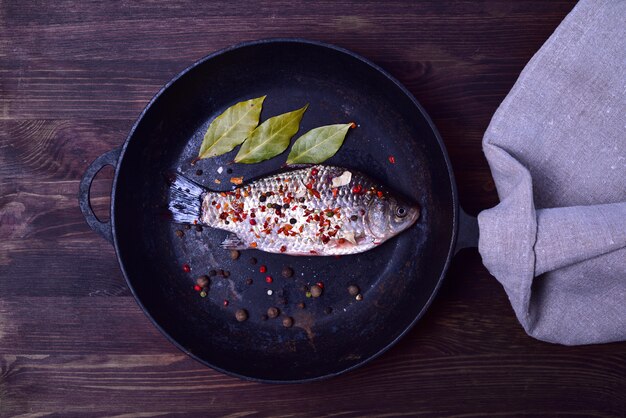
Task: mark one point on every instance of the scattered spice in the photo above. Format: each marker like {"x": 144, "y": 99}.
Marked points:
{"x": 263, "y": 269}
{"x": 179, "y": 233}
{"x": 272, "y": 312}
{"x": 320, "y": 284}
{"x": 216, "y": 181}
{"x": 282, "y": 300}
{"x": 202, "y": 281}
{"x": 359, "y": 297}
{"x": 269, "y": 279}
{"x": 264, "y": 317}
{"x": 212, "y": 273}
{"x": 226, "y": 274}
{"x": 186, "y": 268}
{"x": 229, "y": 171}
{"x": 199, "y": 228}
{"x": 187, "y": 227}
{"x": 328, "y": 310}
{"x": 316, "y": 291}
{"x": 225, "y": 303}
{"x": 236, "y": 180}
{"x": 249, "y": 281}
{"x": 353, "y": 290}
{"x": 197, "y": 288}
{"x": 354, "y": 218}
{"x": 301, "y": 305}
{"x": 234, "y": 254}
{"x": 307, "y": 294}
{"x": 287, "y": 272}
{"x": 392, "y": 159}
{"x": 270, "y": 292}
{"x": 198, "y": 172}
{"x": 241, "y": 315}
{"x": 203, "y": 294}
{"x": 253, "y": 260}
{"x": 220, "y": 272}
{"x": 291, "y": 221}
{"x": 287, "y": 322}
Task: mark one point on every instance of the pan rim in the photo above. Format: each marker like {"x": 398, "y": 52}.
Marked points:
{"x": 404, "y": 90}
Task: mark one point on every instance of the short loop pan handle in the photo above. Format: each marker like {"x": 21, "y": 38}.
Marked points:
{"x": 468, "y": 231}
{"x": 102, "y": 228}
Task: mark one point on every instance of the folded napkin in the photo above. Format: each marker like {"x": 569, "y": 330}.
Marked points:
{"x": 557, "y": 151}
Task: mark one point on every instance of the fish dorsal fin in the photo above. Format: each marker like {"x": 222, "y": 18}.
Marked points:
{"x": 233, "y": 242}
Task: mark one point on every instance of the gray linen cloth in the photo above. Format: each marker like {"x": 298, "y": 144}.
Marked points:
{"x": 557, "y": 151}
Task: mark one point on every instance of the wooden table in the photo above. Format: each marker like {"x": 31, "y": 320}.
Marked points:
{"x": 74, "y": 77}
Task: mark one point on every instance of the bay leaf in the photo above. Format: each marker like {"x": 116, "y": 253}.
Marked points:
{"x": 318, "y": 144}
{"x": 270, "y": 138}
{"x": 231, "y": 128}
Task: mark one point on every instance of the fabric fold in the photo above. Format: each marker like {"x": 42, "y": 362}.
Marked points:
{"x": 557, "y": 151}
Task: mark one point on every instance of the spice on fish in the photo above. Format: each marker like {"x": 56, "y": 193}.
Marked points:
{"x": 186, "y": 268}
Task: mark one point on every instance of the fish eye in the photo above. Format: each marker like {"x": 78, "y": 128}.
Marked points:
{"x": 401, "y": 212}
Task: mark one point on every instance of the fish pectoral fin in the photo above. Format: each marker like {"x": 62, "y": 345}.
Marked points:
{"x": 233, "y": 242}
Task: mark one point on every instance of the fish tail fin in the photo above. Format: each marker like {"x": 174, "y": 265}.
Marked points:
{"x": 185, "y": 203}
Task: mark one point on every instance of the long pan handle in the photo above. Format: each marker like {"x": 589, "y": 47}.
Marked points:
{"x": 102, "y": 228}
{"x": 468, "y": 231}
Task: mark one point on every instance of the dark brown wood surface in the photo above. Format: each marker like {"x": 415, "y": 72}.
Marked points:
{"x": 74, "y": 75}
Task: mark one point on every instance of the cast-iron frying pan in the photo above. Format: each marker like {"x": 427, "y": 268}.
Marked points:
{"x": 398, "y": 279}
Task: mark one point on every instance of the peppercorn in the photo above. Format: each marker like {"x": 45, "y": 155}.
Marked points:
{"x": 262, "y": 269}
{"x": 249, "y": 281}
{"x": 262, "y": 198}
{"x": 180, "y": 233}
{"x": 359, "y": 297}
{"x": 220, "y": 272}
{"x": 234, "y": 254}
{"x": 253, "y": 261}
{"x": 286, "y": 206}
{"x": 226, "y": 274}
{"x": 282, "y": 301}
{"x": 316, "y": 291}
{"x": 287, "y": 272}
{"x": 273, "y": 312}
{"x": 287, "y": 322}
{"x": 241, "y": 315}
{"x": 291, "y": 221}
{"x": 186, "y": 268}
{"x": 198, "y": 172}
{"x": 212, "y": 273}
{"x": 353, "y": 290}
{"x": 229, "y": 171}
{"x": 330, "y": 213}
{"x": 187, "y": 227}
{"x": 301, "y": 305}
{"x": 328, "y": 310}
{"x": 264, "y": 317}
{"x": 301, "y": 200}
{"x": 268, "y": 279}
{"x": 354, "y": 218}
{"x": 199, "y": 228}
{"x": 203, "y": 281}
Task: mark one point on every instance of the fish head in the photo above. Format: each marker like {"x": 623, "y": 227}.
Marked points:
{"x": 388, "y": 216}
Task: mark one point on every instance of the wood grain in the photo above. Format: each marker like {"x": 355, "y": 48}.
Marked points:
{"x": 73, "y": 78}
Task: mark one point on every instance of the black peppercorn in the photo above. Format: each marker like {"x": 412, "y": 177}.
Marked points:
{"x": 301, "y": 200}
{"x": 354, "y": 218}
{"x": 253, "y": 260}
{"x": 353, "y": 290}
{"x": 198, "y": 172}
{"x": 241, "y": 315}
{"x": 226, "y": 273}
{"x": 286, "y": 206}
{"x": 287, "y": 272}
{"x": 262, "y": 198}
{"x": 229, "y": 170}
{"x": 248, "y": 281}
{"x": 287, "y": 322}
{"x": 292, "y": 221}
{"x": 199, "y": 228}
{"x": 264, "y": 317}
{"x": 273, "y": 312}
